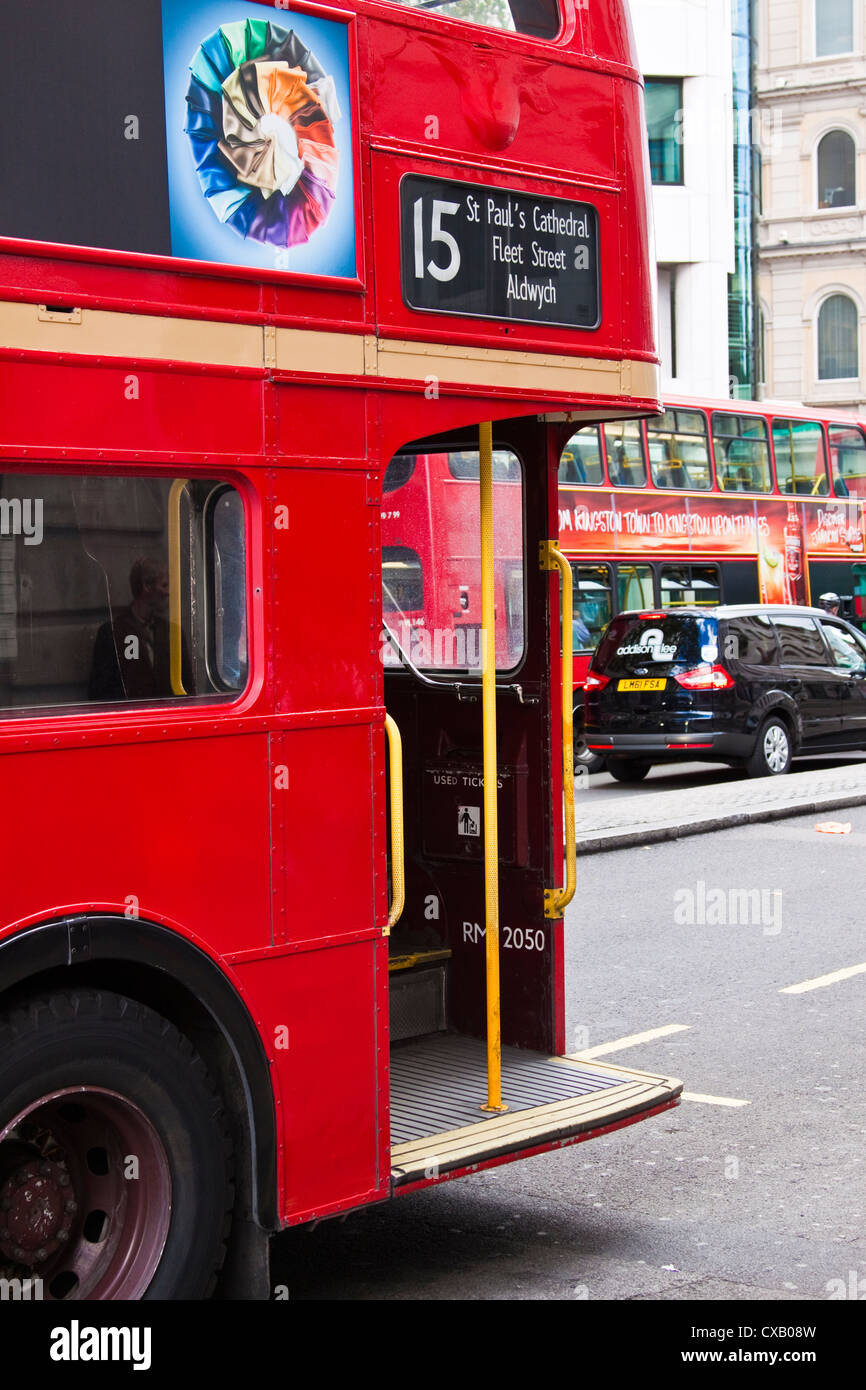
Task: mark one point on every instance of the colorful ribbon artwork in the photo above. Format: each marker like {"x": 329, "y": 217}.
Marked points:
{"x": 260, "y": 120}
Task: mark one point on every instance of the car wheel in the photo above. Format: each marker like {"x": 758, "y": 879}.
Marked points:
{"x": 627, "y": 769}
{"x": 115, "y": 1172}
{"x": 585, "y": 761}
{"x": 772, "y": 755}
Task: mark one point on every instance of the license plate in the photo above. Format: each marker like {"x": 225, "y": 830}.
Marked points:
{"x": 643, "y": 685}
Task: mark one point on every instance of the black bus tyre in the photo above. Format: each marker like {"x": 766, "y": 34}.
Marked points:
{"x": 772, "y": 753}
{"x": 115, "y": 1158}
{"x": 627, "y": 769}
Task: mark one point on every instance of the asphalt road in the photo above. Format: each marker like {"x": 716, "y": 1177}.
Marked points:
{"x": 757, "y": 1200}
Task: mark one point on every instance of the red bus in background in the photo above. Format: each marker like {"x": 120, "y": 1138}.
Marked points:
{"x": 711, "y": 502}
{"x": 431, "y": 588}
{"x": 293, "y": 247}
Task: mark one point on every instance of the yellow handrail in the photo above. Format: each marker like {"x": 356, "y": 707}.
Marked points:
{"x": 491, "y": 829}
{"x": 557, "y": 899}
{"x": 398, "y": 872}
{"x": 175, "y": 630}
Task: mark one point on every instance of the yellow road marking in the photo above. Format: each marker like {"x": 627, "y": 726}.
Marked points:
{"x": 821, "y": 980}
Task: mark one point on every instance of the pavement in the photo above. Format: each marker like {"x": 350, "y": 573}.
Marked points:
{"x": 645, "y": 817}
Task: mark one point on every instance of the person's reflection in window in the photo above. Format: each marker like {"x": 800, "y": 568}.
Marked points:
{"x": 132, "y": 653}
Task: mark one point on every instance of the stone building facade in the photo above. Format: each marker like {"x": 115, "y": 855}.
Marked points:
{"x": 809, "y": 128}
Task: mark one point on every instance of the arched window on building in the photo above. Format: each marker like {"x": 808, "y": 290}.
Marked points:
{"x": 837, "y": 339}
{"x": 834, "y": 27}
{"x": 836, "y": 160}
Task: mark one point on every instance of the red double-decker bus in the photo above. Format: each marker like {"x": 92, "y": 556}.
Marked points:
{"x": 711, "y": 502}
{"x": 253, "y": 969}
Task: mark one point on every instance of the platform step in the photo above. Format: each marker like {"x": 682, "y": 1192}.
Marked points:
{"x": 439, "y": 1084}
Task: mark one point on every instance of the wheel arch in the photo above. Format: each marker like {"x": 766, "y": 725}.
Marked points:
{"x": 776, "y": 704}
{"x": 161, "y": 969}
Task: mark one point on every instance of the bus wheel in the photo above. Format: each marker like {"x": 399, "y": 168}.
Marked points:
{"x": 627, "y": 769}
{"x": 115, "y": 1178}
{"x": 585, "y": 761}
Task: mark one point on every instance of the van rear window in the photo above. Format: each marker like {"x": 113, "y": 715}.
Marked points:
{"x": 656, "y": 642}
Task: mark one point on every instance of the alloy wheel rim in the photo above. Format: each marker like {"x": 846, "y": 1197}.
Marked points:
{"x": 776, "y": 748}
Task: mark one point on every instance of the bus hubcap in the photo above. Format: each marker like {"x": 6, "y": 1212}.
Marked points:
{"x": 85, "y": 1196}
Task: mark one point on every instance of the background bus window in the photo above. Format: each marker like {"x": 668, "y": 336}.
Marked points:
{"x": 686, "y": 586}
{"x": 679, "y": 450}
{"x": 742, "y": 453}
{"x": 581, "y": 458}
{"x": 402, "y": 580}
{"x": 539, "y": 19}
{"x": 85, "y": 591}
{"x": 592, "y": 605}
{"x": 431, "y": 561}
{"x": 848, "y": 460}
{"x": 464, "y": 465}
{"x": 398, "y": 472}
{"x": 634, "y": 587}
{"x": 800, "y": 462}
{"x": 623, "y": 444}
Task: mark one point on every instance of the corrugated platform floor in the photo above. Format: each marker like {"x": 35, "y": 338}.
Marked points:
{"x": 439, "y": 1082}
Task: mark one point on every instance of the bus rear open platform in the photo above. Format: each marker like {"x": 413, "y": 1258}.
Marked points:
{"x": 439, "y": 1083}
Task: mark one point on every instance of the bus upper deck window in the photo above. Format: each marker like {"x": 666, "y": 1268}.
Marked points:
{"x": 581, "y": 461}
{"x": 848, "y": 456}
{"x": 538, "y": 19}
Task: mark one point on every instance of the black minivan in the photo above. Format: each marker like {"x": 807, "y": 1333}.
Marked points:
{"x": 752, "y": 685}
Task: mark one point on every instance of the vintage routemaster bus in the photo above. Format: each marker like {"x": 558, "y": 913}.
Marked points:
{"x": 253, "y": 969}
{"x": 710, "y": 502}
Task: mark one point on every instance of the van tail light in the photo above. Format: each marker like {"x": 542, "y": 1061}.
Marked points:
{"x": 706, "y": 678}
{"x": 594, "y": 681}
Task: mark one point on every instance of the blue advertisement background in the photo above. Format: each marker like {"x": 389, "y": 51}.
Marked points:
{"x": 196, "y": 232}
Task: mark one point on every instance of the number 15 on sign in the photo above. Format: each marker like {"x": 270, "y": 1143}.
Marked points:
{"x": 438, "y": 233}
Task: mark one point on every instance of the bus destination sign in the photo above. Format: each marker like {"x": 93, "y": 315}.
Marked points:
{"x": 484, "y": 252}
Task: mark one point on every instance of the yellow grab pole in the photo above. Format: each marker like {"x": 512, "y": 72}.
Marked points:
{"x": 557, "y": 899}
{"x": 491, "y": 829}
{"x": 398, "y": 873}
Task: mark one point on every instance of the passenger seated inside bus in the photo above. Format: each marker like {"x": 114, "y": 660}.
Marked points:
{"x": 131, "y": 655}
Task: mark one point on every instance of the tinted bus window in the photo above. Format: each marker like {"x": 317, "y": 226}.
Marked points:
{"x": 91, "y": 568}
{"x": 581, "y": 458}
{"x": 624, "y": 448}
{"x": 591, "y": 601}
{"x": 742, "y": 453}
{"x": 800, "y": 463}
{"x": 539, "y": 19}
{"x": 679, "y": 450}
{"x": 848, "y": 460}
